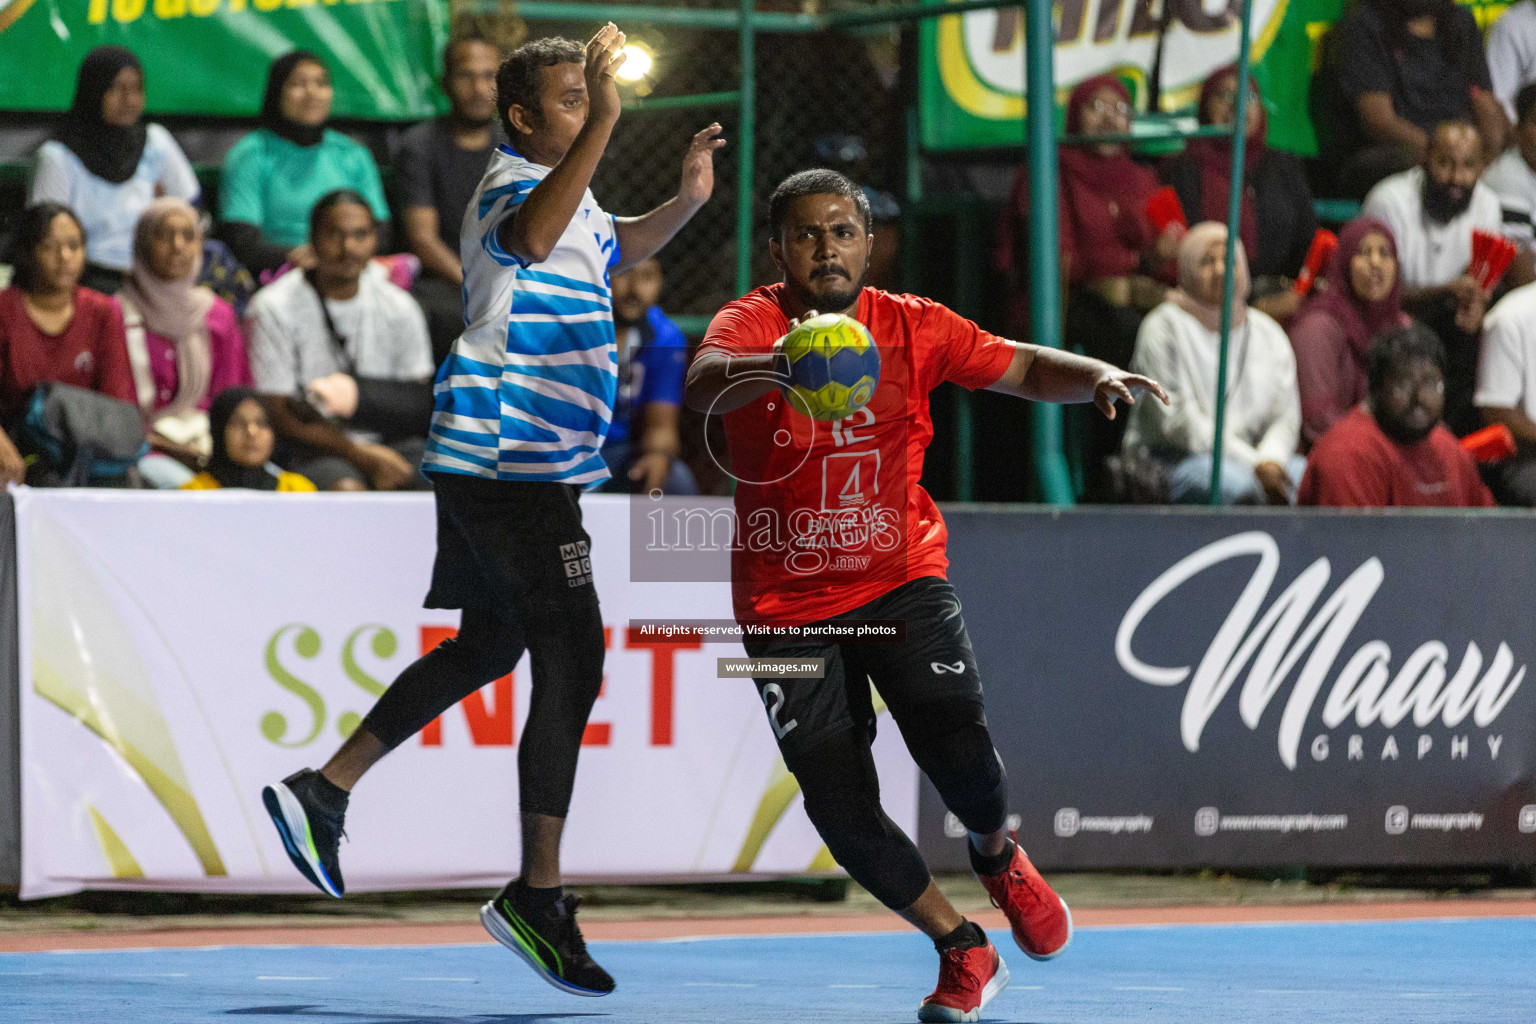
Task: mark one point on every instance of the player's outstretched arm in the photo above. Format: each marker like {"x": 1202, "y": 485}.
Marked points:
{"x": 719, "y": 382}
{"x": 533, "y": 232}
{"x": 1050, "y": 375}
{"x": 642, "y": 237}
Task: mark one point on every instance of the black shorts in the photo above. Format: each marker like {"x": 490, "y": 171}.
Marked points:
{"x": 934, "y": 662}
{"x": 502, "y": 541}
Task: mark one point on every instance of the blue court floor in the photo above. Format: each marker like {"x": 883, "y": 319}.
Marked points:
{"x": 1432, "y": 972}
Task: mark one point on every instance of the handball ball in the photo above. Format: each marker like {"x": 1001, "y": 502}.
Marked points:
{"x": 833, "y": 366}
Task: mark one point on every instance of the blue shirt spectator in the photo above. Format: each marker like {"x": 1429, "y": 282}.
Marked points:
{"x": 643, "y": 441}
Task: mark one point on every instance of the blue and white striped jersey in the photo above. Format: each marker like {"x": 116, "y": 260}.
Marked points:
{"x": 527, "y": 392}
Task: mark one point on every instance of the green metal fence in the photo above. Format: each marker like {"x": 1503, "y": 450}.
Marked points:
{"x": 720, "y": 82}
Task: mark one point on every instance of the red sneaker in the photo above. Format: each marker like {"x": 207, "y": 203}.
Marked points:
{"x": 968, "y": 979}
{"x": 1042, "y": 924}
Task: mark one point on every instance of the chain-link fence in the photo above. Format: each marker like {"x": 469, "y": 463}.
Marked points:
{"x": 810, "y": 87}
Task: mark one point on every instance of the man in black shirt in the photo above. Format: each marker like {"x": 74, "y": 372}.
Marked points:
{"x": 1399, "y": 67}
{"x": 440, "y": 163}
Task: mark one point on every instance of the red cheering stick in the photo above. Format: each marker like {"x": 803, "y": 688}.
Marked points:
{"x": 1163, "y": 209}
{"x": 1482, "y": 246}
{"x": 1324, "y": 244}
{"x": 1499, "y": 260}
{"x": 1490, "y": 444}
{"x": 1491, "y": 256}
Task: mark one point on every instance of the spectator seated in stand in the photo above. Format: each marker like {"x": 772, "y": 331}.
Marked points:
{"x": 440, "y": 165}
{"x": 241, "y": 456}
{"x": 184, "y": 343}
{"x": 1178, "y": 346}
{"x": 1395, "y": 69}
{"x": 1506, "y": 390}
{"x": 643, "y": 442}
{"x": 274, "y": 176}
{"x": 1432, "y": 211}
{"x": 106, "y": 164}
{"x": 1512, "y": 54}
{"x": 1361, "y": 299}
{"x": 52, "y": 329}
{"x": 342, "y": 357}
{"x": 1116, "y": 264}
{"x": 1513, "y": 179}
{"x": 1393, "y": 451}
{"x": 1277, "y": 222}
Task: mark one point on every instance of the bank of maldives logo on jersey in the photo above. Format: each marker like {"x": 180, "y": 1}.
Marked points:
{"x": 578, "y": 566}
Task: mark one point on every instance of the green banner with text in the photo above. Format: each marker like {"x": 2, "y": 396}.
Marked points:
{"x": 211, "y": 56}
{"x": 972, "y": 65}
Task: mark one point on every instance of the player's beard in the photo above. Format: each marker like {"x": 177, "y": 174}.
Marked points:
{"x": 836, "y": 291}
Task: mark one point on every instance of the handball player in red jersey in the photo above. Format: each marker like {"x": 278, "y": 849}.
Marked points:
{"x": 833, "y": 527}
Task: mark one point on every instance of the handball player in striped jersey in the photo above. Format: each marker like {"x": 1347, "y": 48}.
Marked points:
{"x": 834, "y": 527}
{"x": 522, "y": 406}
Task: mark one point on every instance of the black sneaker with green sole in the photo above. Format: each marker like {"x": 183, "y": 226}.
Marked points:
{"x": 547, "y": 939}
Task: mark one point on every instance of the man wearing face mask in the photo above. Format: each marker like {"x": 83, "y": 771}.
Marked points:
{"x": 1432, "y": 210}
{"x": 440, "y": 165}
{"x": 1393, "y": 451}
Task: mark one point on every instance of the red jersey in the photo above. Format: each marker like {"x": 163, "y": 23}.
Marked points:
{"x": 830, "y": 516}
{"x": 1355, "y": 465}
{"x": 91, "y": 353}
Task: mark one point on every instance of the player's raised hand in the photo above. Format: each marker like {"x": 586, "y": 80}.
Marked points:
{"x": 1117, "y": 385}
{"x": 605, "y": 55}
{"x": 699, "y": 166}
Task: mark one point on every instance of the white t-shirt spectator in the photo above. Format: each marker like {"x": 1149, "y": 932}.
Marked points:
{"x": 384, "y": 330}
{"x": 1512, "y": 179}
{"x": 1263, "y": 417}
{"x": 1512, "y": 53}
{"x": 1506, "y": 368}
{"x": 1430, "y": 254}
{"x": 109, "y": 212}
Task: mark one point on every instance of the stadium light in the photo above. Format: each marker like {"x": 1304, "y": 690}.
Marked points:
{"x": 638, "y": 61}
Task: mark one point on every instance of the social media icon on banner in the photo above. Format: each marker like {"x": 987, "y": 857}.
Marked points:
{"x": 1207, "y": 821}
{"x": 1066, "y": 822}
{"x": 1397, "y": 820}
{"x": 1526, "y": 822}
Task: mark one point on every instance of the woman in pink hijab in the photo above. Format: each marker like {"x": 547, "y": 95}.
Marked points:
{"x": 184, "y": 342}
{"x": 1361, "y": 300}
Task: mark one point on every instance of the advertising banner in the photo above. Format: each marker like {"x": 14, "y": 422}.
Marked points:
{"x": 211, "y": 56}
{"x": 972, "y": 65}
{"x": 1187, "y": 688}
{"x": 180, "y": 651}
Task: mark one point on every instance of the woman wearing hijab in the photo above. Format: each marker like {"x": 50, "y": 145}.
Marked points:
{"x": 1114, "y": 262}
{"x": 242, "y": 448}
{"x": 1179, "y": 344}
{"x": 106, "y": 164}
{"x": 1277, "y": 221}
{"x": 184, "y": 342}
{"x": 1362, "y": 300}
{"x": 275, "y": 174}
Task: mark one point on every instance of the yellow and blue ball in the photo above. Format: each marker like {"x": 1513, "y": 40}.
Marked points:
{"x": 833, "y": 367}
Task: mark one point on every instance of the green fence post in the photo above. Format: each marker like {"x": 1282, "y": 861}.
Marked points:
{"x": 747, "y": 34}
{"x": 1234, "y": 213}
{"x": 1044, "y": 244}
